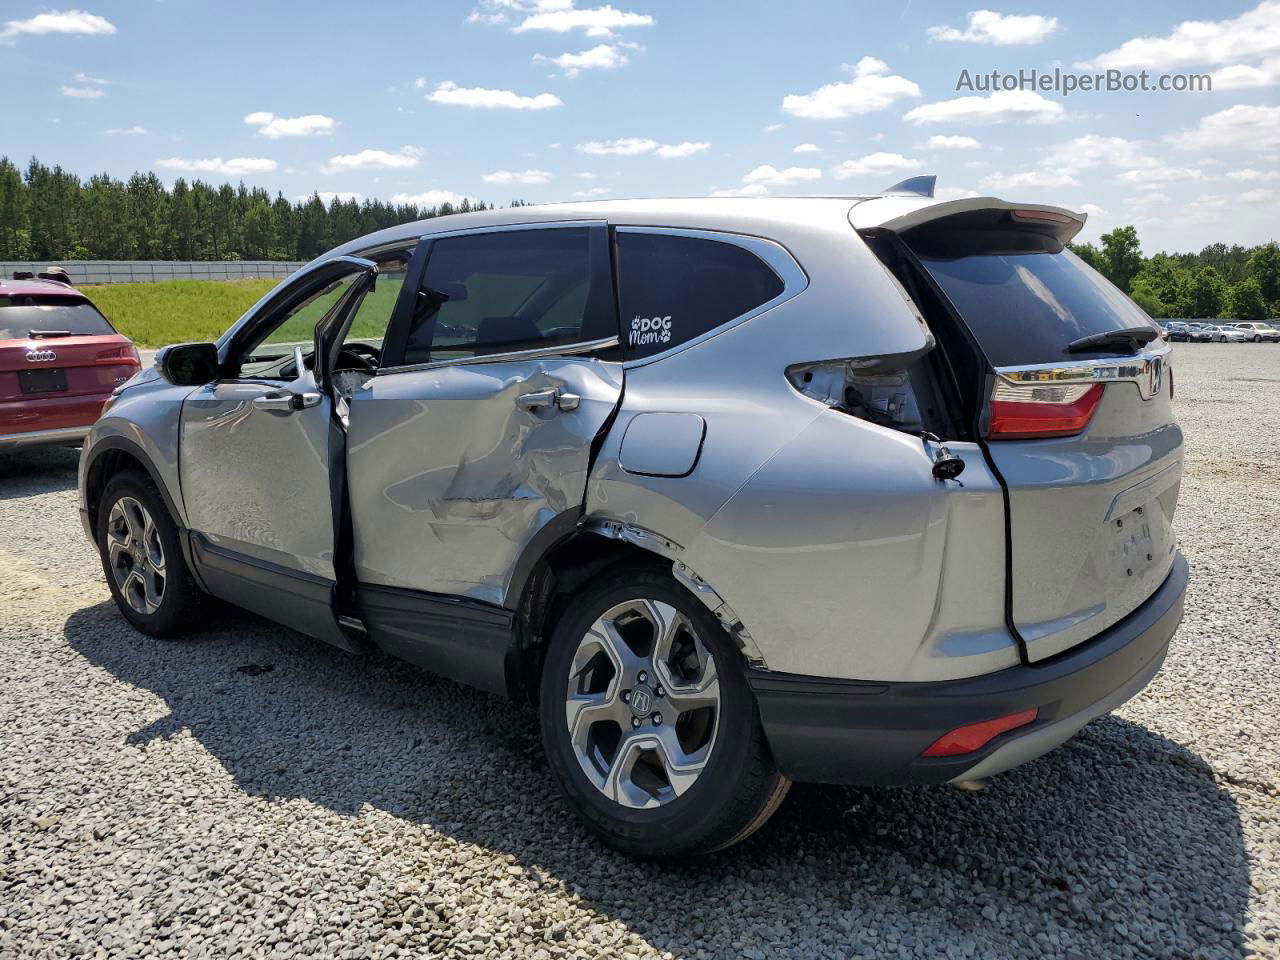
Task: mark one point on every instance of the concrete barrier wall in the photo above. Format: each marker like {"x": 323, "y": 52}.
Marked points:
{"x": 152, "y": 271}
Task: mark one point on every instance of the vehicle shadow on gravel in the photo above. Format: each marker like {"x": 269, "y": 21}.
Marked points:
{"x": 1118, "y": 844}
{"x": 24, "y": 473}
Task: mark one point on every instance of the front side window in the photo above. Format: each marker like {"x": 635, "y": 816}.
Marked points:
{"x": 673, "y": 288}
{"x": 504, "y": 292}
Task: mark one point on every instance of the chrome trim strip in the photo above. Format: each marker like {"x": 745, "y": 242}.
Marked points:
{"x": 41, "y": 437}
{"x": 777, "y": 257}
{"x": 1146, "y": 369}
{"x": 570, "y": 350}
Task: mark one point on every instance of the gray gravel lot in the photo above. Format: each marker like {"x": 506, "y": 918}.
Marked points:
{"x": 249, "y": 792}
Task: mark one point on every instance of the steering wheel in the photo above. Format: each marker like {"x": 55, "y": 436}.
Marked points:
{"x": 360, "y": 355}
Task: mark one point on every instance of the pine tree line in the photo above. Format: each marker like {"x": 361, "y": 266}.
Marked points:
{"x": 50, "y": 214}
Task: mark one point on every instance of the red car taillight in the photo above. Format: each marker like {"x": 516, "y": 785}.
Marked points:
{"x": 116, "y": 354}
{"x": 1033, "y": 411}
{"x": 975, "y": 736}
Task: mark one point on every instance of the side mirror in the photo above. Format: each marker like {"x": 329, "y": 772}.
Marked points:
{"x": 189, "y": 364}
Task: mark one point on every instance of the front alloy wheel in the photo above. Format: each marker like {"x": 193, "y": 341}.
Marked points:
{"x": 136, "y": 555}
{"x": 651, "y": 730}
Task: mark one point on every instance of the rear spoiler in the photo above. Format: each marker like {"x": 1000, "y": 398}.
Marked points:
{"x": 1057, "y": 222}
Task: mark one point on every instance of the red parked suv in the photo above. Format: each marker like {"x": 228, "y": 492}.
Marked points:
{"x": 59, "y": 361}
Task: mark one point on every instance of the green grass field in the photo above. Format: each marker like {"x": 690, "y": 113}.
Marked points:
{"x": 182, "y": 311}
{"x": 176, "y": 311}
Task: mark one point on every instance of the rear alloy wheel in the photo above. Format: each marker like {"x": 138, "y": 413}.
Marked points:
{"x": 648, "y": 721}
{"x": 142, "y": 557}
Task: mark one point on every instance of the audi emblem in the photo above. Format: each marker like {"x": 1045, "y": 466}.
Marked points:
{"x": 40, "y": 356}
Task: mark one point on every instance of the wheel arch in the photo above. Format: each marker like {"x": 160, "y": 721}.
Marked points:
{"x": 111, "y": 455}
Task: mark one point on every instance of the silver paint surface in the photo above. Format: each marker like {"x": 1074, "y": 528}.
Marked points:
{"x": 257, "y": 482}
{"x": 450, "y": 479}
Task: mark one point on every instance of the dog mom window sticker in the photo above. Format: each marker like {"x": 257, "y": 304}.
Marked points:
{"x": 646, "y": 331}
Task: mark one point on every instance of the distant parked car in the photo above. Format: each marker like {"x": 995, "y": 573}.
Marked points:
{"x": 1177, "y": 331}
{"x": 1229, "y": 333}
{"x": 1196, "y": 333}
{"x": 59, "y": 361}
{"x": 1257, "y": 332}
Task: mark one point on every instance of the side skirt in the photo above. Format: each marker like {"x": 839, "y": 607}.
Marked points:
{"x": 298, "y": 600}
{"x": 461, "y": 639}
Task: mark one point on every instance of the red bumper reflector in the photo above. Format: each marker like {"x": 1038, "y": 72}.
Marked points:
{"x": 1011, "y": 420}
{"x": 975, "y": 736}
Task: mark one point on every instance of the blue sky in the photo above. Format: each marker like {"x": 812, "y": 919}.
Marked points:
{"x": 547, "y": 100}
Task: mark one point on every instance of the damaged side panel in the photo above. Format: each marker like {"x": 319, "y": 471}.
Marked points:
{"x": 455, "y": 468}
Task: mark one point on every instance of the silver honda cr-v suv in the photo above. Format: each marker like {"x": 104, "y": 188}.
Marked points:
{"x": 736, "y": 492}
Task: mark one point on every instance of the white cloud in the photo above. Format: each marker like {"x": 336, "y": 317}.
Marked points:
{"x": 1028, "y": 178}
{"x": 368, "y": 159}
{"x": 773, "y": 128}
{"x": 596, "y": 21}
{"x": 635, "y": 146}
{"x": 1254, "y": 33}
{"x": 939, "y": 142}
{"x": 686, "y": 148}
{"x": 1249, "y": 174}
{"x": 58, "y": 21}
{"x": 269, "y": 125}
{"x": 428, "y": 198}
{"x": 605, "y": 56}
{"x": 1003, "y": 105}
{"x": 126, "y": 131}
{"x": 872, "y": 88}
{"x": 586, "y": 176}
{"x": 622, "y": 147}
{"x": 82, "y": 93}
{"x": 806, "y": 148}
{"x": 517, "y": 176}
{"x": 1093, "y": 150}
{"x": 1092, "y": 209}
{"x": 96, "y": 81}
{"x": 986, "y": 26}
{"x": 593, "y": 192}
{"x": 766, "y": 175}
{"x": 235, "y": 167}
{"x": 1240, "y": 76}
{"x": 1238, "y": 127}
{"x": 328, "y": 196}
{"x": 453, "y": 95}
{"x": 1154, "y": 178}
{"x": 875, "y": 163}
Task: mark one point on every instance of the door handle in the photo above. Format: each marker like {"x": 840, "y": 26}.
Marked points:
{"x": 284, "y": 402}
{"x": 548, "y": 398}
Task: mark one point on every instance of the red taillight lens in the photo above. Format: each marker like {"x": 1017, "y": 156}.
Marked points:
{"x": 975, "y": 736}
{"x": 127, "y": 353}
{"x": 1034, "y": 411}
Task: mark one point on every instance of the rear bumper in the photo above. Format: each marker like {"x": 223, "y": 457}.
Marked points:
{"x": 858, "y": 732}
{"x": 58, "y": 436}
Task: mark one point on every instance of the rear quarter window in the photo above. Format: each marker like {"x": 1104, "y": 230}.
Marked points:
{"x": 672, "y": 289}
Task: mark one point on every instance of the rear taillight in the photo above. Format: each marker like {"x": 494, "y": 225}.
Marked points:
{"x": 128, "y": 353}
{"x": 975, "y": 736}
{"x": 1037, "y": 410}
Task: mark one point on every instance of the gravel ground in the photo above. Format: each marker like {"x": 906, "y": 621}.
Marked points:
{"x": 249, "y": 792}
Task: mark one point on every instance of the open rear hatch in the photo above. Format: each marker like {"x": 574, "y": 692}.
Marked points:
{"x": 1070, "y": 393}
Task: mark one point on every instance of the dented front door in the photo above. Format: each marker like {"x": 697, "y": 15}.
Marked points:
{"x": 454, "y": 469}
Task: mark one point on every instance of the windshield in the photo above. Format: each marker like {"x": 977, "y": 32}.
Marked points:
{"x": 21, "y": 316}
{"x": 1026, "y": 308}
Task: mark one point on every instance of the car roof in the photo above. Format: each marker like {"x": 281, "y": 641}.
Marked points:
{"x": 46, "y": 288}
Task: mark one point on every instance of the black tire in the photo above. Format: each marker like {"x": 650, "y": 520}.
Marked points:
{"x": 738, "y": 789}
{"x": 180, "y": 599}
{"x": 1257, "y": 338}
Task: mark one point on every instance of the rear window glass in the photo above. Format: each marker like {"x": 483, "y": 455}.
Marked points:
{"x": 21, "y": 316}
{"x": 1027, "y": 307}
{"x": 672, "y": 289}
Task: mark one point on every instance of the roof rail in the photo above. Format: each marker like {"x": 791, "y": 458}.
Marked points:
{"x": 912, "y": 187}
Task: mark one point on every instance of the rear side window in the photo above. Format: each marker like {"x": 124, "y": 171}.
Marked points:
{"x": 1025, "y": 308}
{"x": 673, "y": 288}
{"x": 505, "y": 292}
{"x": 35, "y": 315}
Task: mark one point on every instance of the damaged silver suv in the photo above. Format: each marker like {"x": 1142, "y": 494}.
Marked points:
{"x": 737, "y": 492}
